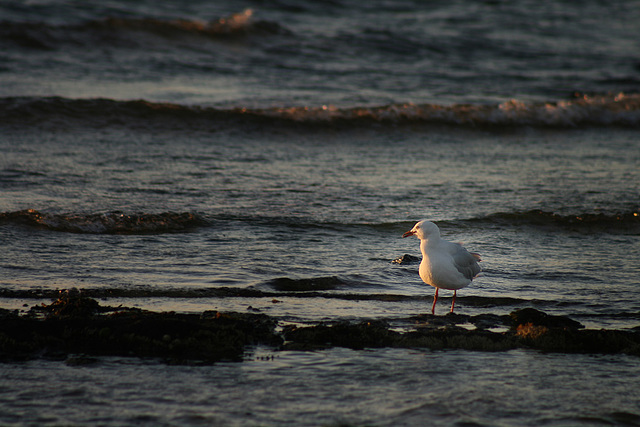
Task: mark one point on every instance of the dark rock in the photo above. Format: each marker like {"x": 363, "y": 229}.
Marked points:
{"x": 8, "y": 314}
{"x": 489, "y": 321}
{"x": 343, "y": 334}
{"x": 76, "y": 325}
{"x": 169, "y": 336}
{"x": 480, "y": 321}
{"x": 538, "y": 318}
{"x": 377, "y": 334}
{"x": 70, "y": 303}
{"x": 428, "y": 320}
{"x": 458, "y": 338}
{"x": 580, "y": 341}
{"x": 407, "y": 259}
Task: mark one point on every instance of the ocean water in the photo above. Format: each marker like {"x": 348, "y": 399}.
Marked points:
{"x": 334, "y": 387}
{"x": 172, "y": 156}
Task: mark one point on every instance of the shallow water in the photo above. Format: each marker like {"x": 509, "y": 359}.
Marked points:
{"x": 339, "y": 386}
{"x": 544, "y": 216}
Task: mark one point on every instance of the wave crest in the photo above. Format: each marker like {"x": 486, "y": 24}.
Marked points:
{"x": 599, "y": 111}
{"x": 238, "y": 24}
{"x": 603, "y": 110}
{"x": 628, "y": 222}
{"x": 43, "y": 36}
{"x": 107, "y": 223}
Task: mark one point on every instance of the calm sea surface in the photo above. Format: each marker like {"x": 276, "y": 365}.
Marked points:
{"x": 154, "y": 153}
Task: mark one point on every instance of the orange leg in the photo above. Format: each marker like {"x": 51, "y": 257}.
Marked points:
{"x": 435, "y": 299}
{"x": 454, "y": 300}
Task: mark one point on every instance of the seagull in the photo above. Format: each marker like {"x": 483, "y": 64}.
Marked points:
{"x": 444, "y": 264}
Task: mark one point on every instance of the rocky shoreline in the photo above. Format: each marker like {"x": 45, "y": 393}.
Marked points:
{"x": 75, "y": 328}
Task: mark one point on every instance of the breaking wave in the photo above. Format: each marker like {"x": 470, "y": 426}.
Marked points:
{"x": 107, "y": 223}
{"x": 238, "y": 24}
{"x": 604, "y": 110}
{"x": 621, "y": 110}
{"x": 628, "y": 222}
{"x": 42, "y": 36}
{"x": 622, "y": 222}
{"x": 172, "y": 222}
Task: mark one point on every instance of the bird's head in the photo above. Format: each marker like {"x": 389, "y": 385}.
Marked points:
{"x": 423, "y": 230}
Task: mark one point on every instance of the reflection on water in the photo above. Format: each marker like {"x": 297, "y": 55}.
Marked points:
{"x": 378, "y": 387}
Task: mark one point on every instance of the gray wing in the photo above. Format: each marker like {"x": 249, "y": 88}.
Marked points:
{"x": 465, "y": 262}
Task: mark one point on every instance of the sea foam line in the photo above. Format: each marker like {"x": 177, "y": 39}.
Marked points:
{"x": 583, "y": 111}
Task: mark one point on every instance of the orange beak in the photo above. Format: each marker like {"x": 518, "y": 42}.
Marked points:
{"x": 409, "y": 233}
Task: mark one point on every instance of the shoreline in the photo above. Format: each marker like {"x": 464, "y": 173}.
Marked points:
{"x": 78, "y": 325}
